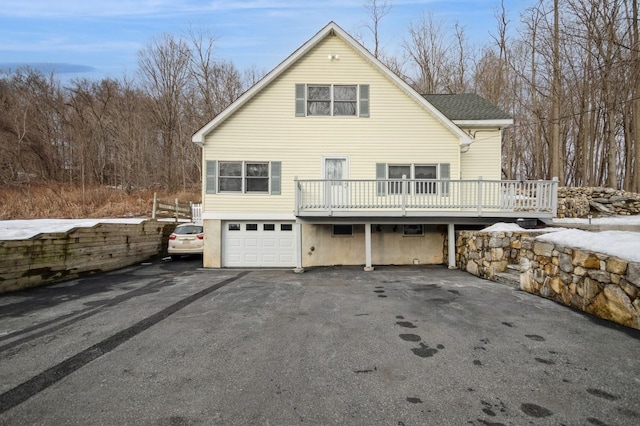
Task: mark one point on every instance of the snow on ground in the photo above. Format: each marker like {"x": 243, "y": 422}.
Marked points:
{"x": 24, "y": 229}
{"x": 613, "y": 220}
{"x": 622, "y": 244}
{"x": 514, "y": 227}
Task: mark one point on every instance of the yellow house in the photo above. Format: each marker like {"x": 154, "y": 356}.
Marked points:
{"x": 332, "y": 159}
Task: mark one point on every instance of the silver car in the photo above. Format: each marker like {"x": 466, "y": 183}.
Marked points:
{"x": 187, "y": 238}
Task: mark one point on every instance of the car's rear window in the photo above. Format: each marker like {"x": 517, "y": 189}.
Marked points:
{"x": 188, "y": 230}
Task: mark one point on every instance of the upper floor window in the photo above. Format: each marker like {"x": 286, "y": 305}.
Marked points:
{"x": 345, "y": 100}
{"x": 332, "y": 100}
{"x": 318, "y": 100}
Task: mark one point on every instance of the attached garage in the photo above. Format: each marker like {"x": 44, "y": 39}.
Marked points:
{"x": 258, "y": 244}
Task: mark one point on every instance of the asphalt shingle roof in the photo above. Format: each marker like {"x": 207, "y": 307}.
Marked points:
{"x": 466, "y": 106}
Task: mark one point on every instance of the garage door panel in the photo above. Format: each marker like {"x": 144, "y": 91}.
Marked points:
{"x": 234, "y": 242}
{"x": 268, "y": 242}
{"x": 270, "y": 246}
{"x": 251, "y": 242}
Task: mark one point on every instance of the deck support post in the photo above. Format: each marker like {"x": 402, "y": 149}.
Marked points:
{"x": 451, "y": 234}
{"x": 298, "y": 238}
{"x": 367, "y": 247}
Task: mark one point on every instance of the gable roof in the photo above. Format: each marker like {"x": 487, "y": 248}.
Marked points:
{"x": 330, "y": 29}
{"x": 469, "y": 108}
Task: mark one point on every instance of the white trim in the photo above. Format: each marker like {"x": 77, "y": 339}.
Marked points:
{"x": 330, "y": 29}
{"x": 247, "y": 216}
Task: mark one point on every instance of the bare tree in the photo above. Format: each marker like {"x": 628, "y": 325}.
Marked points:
{"x": 376, "y": 11}
{"x": 164, "y": 73}
{"x": 427, "y": 49}
{"x": 556, "y": 146}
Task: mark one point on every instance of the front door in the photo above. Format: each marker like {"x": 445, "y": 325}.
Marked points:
{"x": 336, "y": 172}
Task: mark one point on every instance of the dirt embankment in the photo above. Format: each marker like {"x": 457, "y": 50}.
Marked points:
{"x": 45, "y": 200}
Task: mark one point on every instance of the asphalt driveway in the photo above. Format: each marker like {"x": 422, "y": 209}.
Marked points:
{"x": 168, "y": 343}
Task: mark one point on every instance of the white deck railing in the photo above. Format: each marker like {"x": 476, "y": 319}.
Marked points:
{"x": 414, "y": 196}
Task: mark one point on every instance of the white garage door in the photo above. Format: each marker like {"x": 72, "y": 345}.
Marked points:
{"x": 258, "y": 244}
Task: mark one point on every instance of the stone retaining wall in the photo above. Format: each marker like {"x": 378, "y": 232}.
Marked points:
{"x": 599, "y": 284}
{"x": 598, "y": 201}
{"x": 52, "y": 257}
{"x": 485, "y": 253}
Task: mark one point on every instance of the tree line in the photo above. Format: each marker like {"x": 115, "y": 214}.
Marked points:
{"x": 567, "y": 71}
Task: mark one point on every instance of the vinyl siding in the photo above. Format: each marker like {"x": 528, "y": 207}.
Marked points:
{"x": 484, "y": 156}
{"x": 398, "y": 130}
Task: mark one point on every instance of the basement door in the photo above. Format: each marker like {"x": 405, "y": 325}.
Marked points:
{"x": 258, "y": 244}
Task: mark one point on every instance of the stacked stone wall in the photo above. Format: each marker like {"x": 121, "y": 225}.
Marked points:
{"x": 599, "y": 284}
{"x": 486, "y": 253}
{"x": 597, "y": 201}
{"x": 602, "y": 285}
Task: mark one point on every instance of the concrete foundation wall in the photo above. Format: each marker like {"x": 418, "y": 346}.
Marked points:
{"x": 212, "y": 256}
{"x": 52, "y": 257}
{"x": 388, "y": 246}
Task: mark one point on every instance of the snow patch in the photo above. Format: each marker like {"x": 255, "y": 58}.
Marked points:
{"x": 25, "y": 229}
{"x": 622, "y": 244}
{"x": 514, "y": 227}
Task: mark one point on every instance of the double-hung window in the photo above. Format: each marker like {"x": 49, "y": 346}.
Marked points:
{"x": 397, "y": 172}
{"x": 243, "y": 176}
{"x": 318, "y": 100}
{"x": 332, "y": 100}
{"x": 345, "y": 100}
{"x": 230, "y": 179}
{"x": 427, "y": 174}
{"x": 256, "y": 177}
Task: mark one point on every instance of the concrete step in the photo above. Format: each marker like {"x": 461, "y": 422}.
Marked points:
{"x": 513, "y": 268}
{"x": 510, "y": 277}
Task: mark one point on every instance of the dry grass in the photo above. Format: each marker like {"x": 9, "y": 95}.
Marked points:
{"x": 64, "y": 201}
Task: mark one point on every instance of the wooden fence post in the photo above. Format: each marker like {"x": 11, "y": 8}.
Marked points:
{"x": 155, "y": 205}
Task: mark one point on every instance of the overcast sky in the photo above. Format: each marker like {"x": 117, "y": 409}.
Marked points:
{"x": 100, "y": 38}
